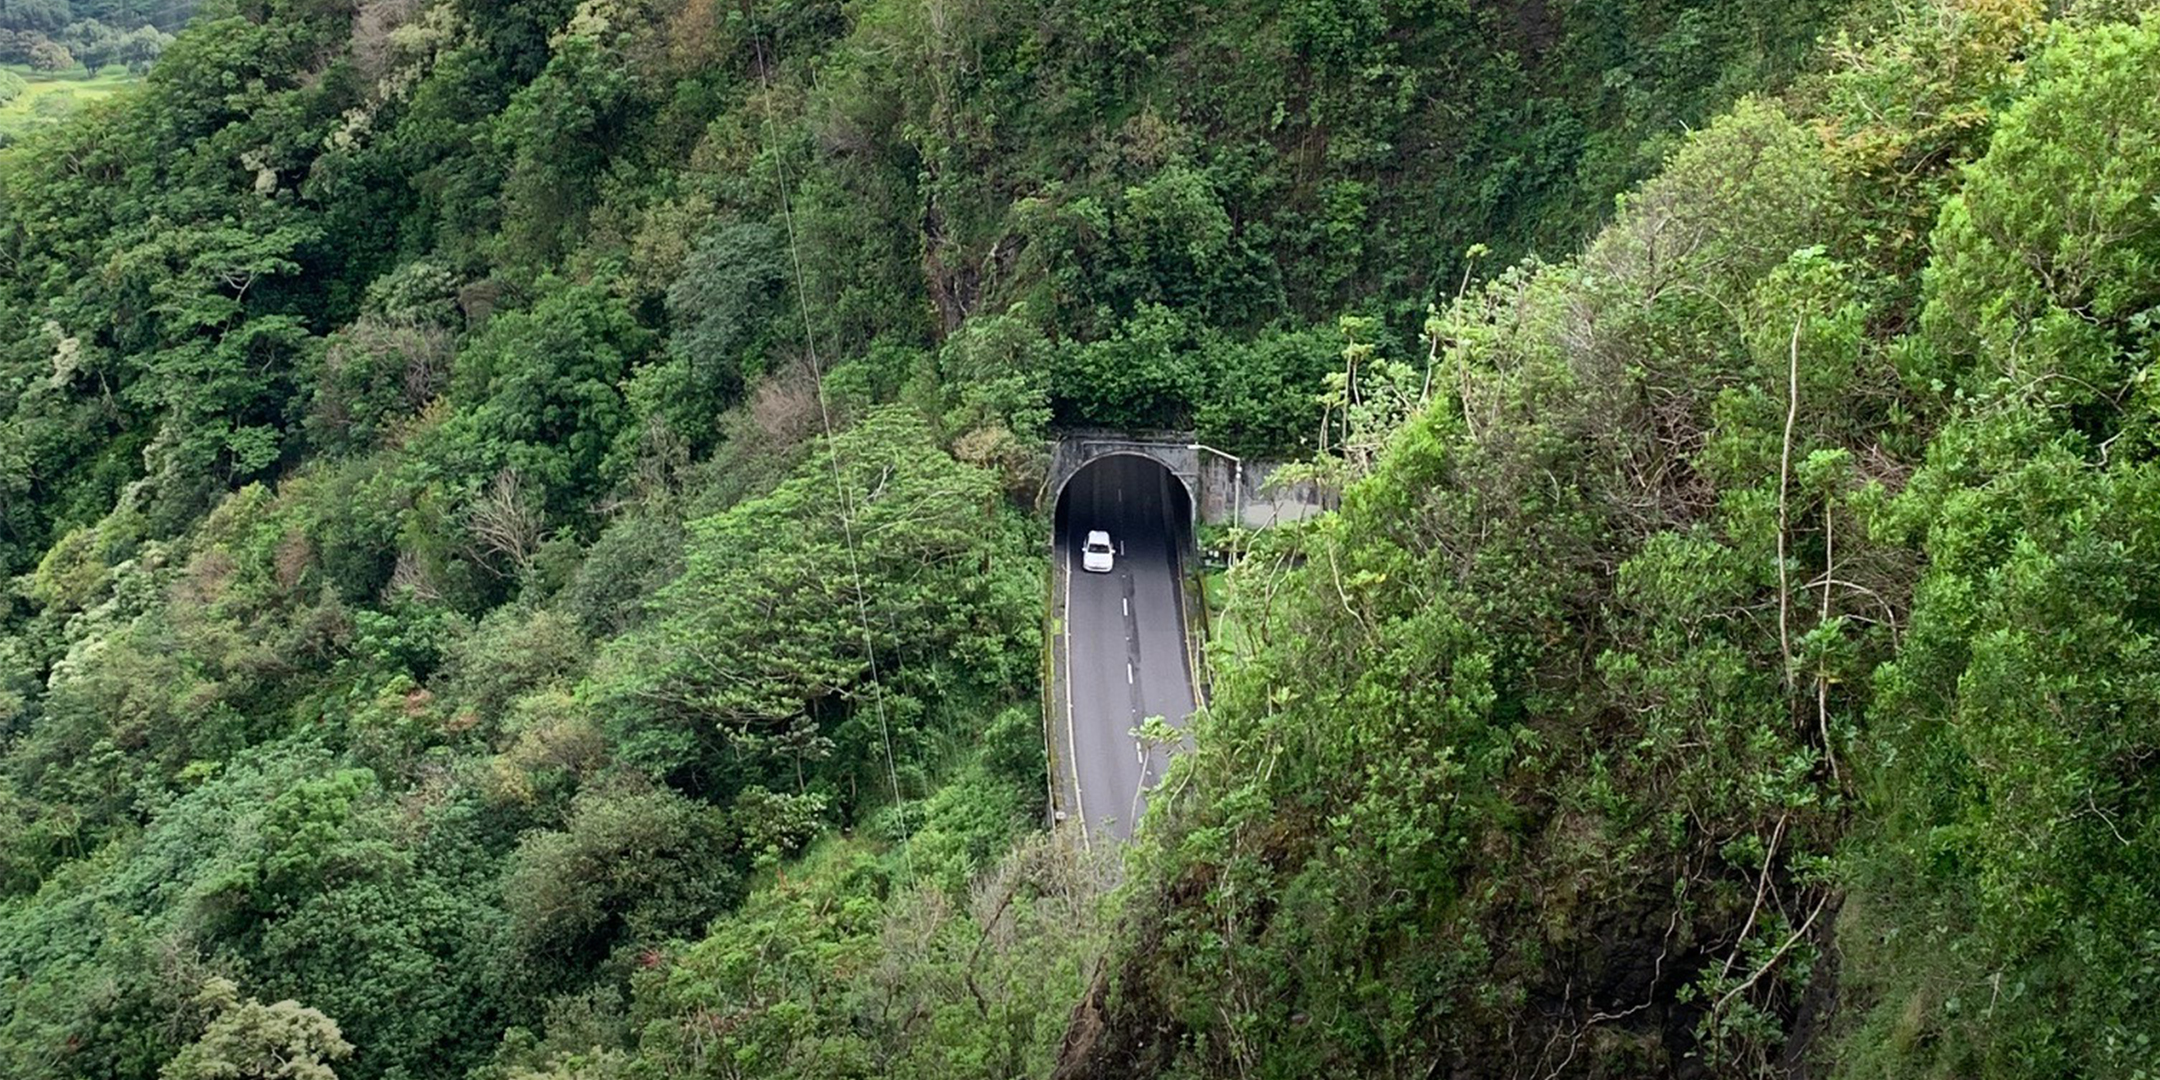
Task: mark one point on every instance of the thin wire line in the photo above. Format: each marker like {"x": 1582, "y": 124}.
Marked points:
{"x": 832, "y": 453}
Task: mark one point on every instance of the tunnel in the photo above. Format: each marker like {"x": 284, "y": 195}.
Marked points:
{"x": 1122, "y": 654}
{"x": 1144, "y": 507}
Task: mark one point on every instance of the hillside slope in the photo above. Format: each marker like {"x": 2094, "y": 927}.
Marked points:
{"x": 1741, "y": 662}
{"x": 523, "y": 561}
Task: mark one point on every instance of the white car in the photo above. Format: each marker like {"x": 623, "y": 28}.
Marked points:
{"x": 1095, "y": 555}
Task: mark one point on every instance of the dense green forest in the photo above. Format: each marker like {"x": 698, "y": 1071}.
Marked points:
{"x": 523, "y": 557}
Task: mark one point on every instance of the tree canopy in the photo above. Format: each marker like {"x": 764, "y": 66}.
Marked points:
{"x": 524, "y": 559}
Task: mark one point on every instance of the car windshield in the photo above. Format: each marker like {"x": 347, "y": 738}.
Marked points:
{"x": 1098, "y": 545}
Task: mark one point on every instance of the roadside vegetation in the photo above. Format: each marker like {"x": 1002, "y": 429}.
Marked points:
{"x": 1741, "y": 658}
{"x": 521, "y": 558}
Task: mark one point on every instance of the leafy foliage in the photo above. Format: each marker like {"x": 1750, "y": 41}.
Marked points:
{"x": 251, "y": 1039}
{"x": 1739, "y": 630}
{"x": 514, "y": 514}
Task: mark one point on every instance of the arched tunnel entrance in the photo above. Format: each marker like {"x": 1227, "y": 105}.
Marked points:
{"x": 1122, "y": 650}
{"x": 1137, "y": 500}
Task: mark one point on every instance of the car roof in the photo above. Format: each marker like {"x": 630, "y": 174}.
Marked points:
{"x": 1095, "y": 535}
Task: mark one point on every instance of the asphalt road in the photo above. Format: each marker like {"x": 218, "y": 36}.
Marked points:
{"x": 1124, "y": 649}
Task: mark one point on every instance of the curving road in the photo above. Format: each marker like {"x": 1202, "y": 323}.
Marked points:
{"x": 1122, "y": 656}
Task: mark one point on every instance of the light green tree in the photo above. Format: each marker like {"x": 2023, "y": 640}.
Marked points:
{"x": 250, "y": 1040}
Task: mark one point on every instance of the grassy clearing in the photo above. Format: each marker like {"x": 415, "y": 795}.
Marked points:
{"x": 53, "y": 95}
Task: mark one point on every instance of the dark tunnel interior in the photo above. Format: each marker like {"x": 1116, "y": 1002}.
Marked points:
{"x": 1137, "y": 500}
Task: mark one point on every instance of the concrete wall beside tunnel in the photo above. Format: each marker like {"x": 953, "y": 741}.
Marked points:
{"x": 1254, "y": 496}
